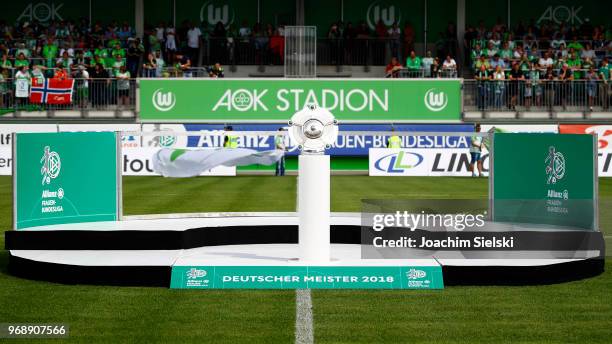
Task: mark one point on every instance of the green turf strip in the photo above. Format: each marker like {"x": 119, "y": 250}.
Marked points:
{"x": 575, "y": 312}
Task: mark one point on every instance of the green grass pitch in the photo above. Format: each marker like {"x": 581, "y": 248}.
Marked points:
{"x": 574, "y": 312}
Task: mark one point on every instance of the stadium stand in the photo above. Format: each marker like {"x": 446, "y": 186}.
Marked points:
{"x": 550, "y": 66}
{"x": 547, "y": 66}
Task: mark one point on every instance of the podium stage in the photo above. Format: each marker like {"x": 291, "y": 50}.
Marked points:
{"x": 233, "y": 250}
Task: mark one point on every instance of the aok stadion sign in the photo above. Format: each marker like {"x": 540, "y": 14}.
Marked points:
{"x": 192, "y": 100}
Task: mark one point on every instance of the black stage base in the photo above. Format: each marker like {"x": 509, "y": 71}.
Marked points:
{"x": 142, "y": 240}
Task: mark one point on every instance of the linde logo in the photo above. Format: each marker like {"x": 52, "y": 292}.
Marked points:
{"x": 435, "y": 101}
{"x": 413, "y": 274}
{"x": 51, "y": 165}
{"x": 41, "y": 11}
{"x": 380, "y": 10}
{"x": 163, "y": 101}
{"x": 296, "y": 99}
{"x": 398, "y": 162}
{"x": 555, "y": 166}
{"x": 562, "y": 14}
{"x": 214, "y": 12}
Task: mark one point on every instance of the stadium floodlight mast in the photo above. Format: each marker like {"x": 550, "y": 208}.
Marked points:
{"x": 314, "y": 129}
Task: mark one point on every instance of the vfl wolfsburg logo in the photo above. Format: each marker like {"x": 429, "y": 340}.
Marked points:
{"x": 413, "y": 274}
{"x": 194, "y": 273}
{"x": 435, "y": 101}
{"x": 163, "y": 101}
{"x": 380, "y": 10}
{"x": 555, "y": 166}
{"x": 51, "y": 165}
{"x": 214, "y": 12}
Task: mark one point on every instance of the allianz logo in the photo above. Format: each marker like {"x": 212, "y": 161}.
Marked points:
{"x": 163, "y": 101}
{"x": 413, "y": 274}
{"x": 213, "y": 12}
{"x": 435, "y": 101}
{"x": 379, "y": 10}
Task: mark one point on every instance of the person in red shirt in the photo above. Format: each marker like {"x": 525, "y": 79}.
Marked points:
{"x": 60, "y": 72}
{"x": 381, "y": 29}
{"x": 393, "y": 68}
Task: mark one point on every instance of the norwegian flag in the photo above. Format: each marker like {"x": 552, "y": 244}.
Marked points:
{"x": 51, "y": 91}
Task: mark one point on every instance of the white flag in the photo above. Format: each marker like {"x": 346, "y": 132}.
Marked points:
{"x": 190, "y": 163}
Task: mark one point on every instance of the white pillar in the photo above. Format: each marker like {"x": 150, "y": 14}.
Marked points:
{"x": 139, "y": 18}
{"x": 460, "y": 34}
{"x": 314, "y": 205}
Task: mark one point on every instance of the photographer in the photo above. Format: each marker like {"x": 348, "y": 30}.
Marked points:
{"x": 215, "y": 71}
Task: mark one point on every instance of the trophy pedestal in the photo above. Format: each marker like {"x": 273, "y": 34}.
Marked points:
{"x": 314, "y": 208}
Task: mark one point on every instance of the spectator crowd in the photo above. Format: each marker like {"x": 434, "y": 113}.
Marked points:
{"x": 543, "y": 64}
{"x": 103, "y": 59}
{"x": 358, "y": 44}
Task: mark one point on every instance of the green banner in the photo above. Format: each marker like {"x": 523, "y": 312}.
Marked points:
{"x": 545, "y": 179}
{"x": 193, "y": 100}
{"x": 44, "y": 11}
{"x": 47, "y": 11}
{"x": 65, "y": 178}
{"x": 370, "y": 12}
{"x": 207, "y": 13}
{"x": 301, "y": 277}
{"x": 572, "y": 13}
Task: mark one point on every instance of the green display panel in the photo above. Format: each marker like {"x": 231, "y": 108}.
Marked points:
{"x": 303, "y": 277}
{"x": 193, "y": 100}
{"x": 118, "y": 11}
{"x": 323, "y": 13}
{"x": 44, "y": 11}
{"x": 277, "y": 12}
{"x": 156, "y": 11}
{"x": 65, "y": 178}
{"x": 313, "y": 15}
{"x": 545, "y": 179}
{"x": 209, "y": 13}
{"x": 487, "y": 11}
{"x": 574, "y": 13}
{"x": 439, "y": 15}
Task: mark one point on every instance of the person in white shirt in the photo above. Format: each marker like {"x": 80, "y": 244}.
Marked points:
{"x": 450, "y": 66}
{"x": 545, "y": 60}
{"x": 245, "y": 31}
{"x": 22, "y": 86}
{"x": 159, "y": 32}
{"x": 171, "y": 46}
{"x": 475, "y": 153}
{"x": 193, "y": 43}
{"x": 588, "y": 52}
{"x": 82, "y": 85}
{"x": 426, "y": 62}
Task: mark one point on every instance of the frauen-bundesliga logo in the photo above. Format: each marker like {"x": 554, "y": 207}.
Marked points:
{"x": 51, "y": 165}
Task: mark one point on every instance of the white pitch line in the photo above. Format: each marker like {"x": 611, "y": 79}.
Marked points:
{"x": 304, "y": 331}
